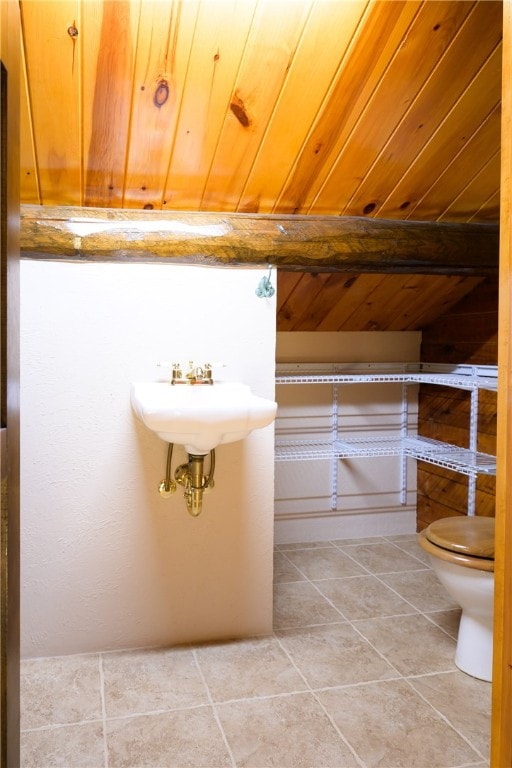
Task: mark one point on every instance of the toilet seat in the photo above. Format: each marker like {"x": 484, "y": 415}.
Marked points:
{"x": 468, "y": 541}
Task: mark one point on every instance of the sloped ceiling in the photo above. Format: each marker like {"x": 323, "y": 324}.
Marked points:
{"x": 382, "y": 109}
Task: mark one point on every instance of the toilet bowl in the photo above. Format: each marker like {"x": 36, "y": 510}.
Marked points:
{"x": 461, "y": 551}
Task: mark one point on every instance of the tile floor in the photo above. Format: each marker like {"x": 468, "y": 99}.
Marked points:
{"x": 359, "y": 672}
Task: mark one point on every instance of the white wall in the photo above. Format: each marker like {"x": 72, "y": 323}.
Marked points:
{"x": 367, "y": 491}
{"x": 106, "y": 562}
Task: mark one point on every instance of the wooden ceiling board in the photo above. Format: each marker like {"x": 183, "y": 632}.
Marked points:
{"x": 448, "y": 189}
{"x": 29, "y": 179}
{"x": 482, "y": 183}
{"x": 425, "y": 41}
{"x": 372, "y": 313}
{"x": 164, "y": 38}
{"x": 286, "y": 282}
{"x": 478, "y": 41}
{"x": 361, "y": 108}
{"x": 328, "y": 33}
{"x": 300, "y": 299}
{"x": 479, "y": 99}
{"x": 396, "y": 311}
{"x": 366, "y": 302}
{"x": 462, "y": 173}
{"x": 353, "y": 290}
{"x": 381, "y": 30}
{"x": 479, "y": 354}
{"x": 278, "y": 30}
{"x": 57, "y": 131}
{"x": 109, "y": 35}
{"x": 334, "y": 291}
{"x": 215, "y": 58}
{"x": 320, "y": 106}
{"x": 490, "y": 209}
{"x": 436, "y": 298}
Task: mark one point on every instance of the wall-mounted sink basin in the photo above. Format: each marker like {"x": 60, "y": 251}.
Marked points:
{"x": 201, "y": 417}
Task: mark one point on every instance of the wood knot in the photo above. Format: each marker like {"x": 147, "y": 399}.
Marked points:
{"x": 72, "y": 31}
{"x": 237, "y": 107}
{"x": 161, "y": 93}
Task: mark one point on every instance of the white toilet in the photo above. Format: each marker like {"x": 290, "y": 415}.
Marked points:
{"x": 461, "y": 552}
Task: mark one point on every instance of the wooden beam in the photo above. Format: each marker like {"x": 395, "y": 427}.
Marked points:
{"x": 303, "y": 243}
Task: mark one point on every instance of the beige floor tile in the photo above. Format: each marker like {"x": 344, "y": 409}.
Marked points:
{"x": 64, "y": 689}
{"x": 248, "y": 668}
{"x": 305, "y": 545}
{"x": 72, "y": 746}
{"x": 147, "y": 681}
{"x": 402, "y": 537}
{"x": 382, "y": 558}
{"x": 287, "y": 732}
{"x": 284, "y": 726}
{"x": 300, "y": 604}
{"x": 412, "y": 644}
{"x": 324, "y": 563}
{"x": 185, "y": 739}
{"x": 464, "y": 701}
{"x": 391, "y": 727}
{"x": 422, "y": 589}
{"x": 334, "y": 655}
{"x": 447, "y": 620}
{"x": 413, "y": 548}
{"x": 363, "y": 597}
{"x": 366, "y": 540}
{"x": 284, "y": 570}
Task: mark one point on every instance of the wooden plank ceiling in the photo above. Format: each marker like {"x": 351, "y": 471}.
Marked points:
{"x": 345, "y": 107}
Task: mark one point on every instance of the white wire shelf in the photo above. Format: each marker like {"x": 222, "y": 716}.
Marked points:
{"x": 449, "y": 456}
{"x": 459, "y": 376}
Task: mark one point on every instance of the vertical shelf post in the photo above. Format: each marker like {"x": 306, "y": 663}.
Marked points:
{"x": 403, "y": 434}
{"x": 473, "y": 446}
{"x": 334, "y": 460}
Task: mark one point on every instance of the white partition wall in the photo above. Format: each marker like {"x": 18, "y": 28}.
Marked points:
{"x": 106, "y": 562}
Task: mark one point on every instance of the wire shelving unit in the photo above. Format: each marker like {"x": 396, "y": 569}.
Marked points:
{"x": 467, "y": 461}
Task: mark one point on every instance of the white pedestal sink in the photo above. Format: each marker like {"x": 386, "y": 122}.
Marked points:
{"x": 201, "y": 417}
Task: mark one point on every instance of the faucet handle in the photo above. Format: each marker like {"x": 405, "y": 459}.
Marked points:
{"x": 175, "y": 373}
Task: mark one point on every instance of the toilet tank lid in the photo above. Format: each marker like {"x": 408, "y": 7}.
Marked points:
{"x": 473, "y": 536}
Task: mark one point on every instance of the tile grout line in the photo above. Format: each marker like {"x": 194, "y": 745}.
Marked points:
{"x": 352, "y": 622}
{"x": 324, "y": 710}
{"x": 416, "y": 570}
{"x": 57, "y": 726}
{"x": 214, "y": 708}
{"x": 355, "y": 628}
{"x": 395, "y": 544}
{"x": 399, "y": 675}
{"x": 444, "y": 718}
{"x": 103, "y": 709}
{"x": 412, "y": 570}
{"x": 417, "y": 612}
{"x": 431, "y": 620}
